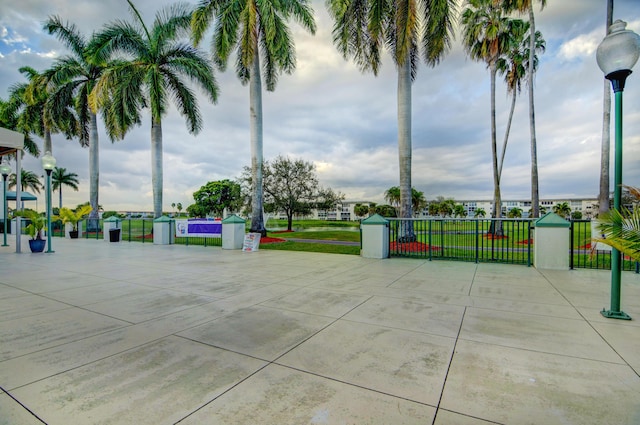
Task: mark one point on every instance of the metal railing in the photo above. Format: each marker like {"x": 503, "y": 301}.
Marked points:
{"x": 474, "y": 240}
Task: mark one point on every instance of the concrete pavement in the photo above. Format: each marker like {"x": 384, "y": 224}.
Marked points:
{"x": 130, "y": 333}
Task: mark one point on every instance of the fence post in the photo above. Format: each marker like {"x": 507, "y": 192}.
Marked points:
{"x": 375, "y": 237}
{"x": 551, "y": 240}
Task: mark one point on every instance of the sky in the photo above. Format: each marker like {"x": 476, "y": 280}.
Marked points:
{"x": 329, "y": 113}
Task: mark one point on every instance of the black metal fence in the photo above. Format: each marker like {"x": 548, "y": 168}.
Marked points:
{"x": 584, "y": 255}
{"x": 474, "y": 240}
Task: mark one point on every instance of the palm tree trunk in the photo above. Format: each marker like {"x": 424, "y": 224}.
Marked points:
{"x": 94, "y": 166}
{"x": 497, "y": 202}
{"x": 506, "y": 134}
{"x": 255, "y": 124}
{"x": 156, "y": 166}
{"x": 60, "y": 199}
{"x": 535, "y": 198}
{"x": 404, "y": 148}
{"x": 603, "y": 197}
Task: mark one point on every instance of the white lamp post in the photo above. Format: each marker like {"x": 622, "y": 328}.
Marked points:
{"x": 5, "y": 170}
{"x": 616, "y": 56}
{"x": 48, "y": 163}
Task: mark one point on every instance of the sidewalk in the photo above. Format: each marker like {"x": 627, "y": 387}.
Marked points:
{"x": 131, "y": 333}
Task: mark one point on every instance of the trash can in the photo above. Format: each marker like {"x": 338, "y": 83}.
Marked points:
{"x": 114, "y": 235}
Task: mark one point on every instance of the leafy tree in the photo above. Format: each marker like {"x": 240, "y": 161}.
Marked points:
{"x": 576, "y": 215}
{"x": 290, "y": 185}
{"x": 486, "y": 33}
{"x": 214, "y": 197}
{"x": 160, "y": 68}
{"x": 385, "y": 211}
{"x": 562, "y": 209}
{"x": 434, "y": 208}
{"x": 327, "y": 199}
{"x": 28, "y": 180}
{"x": 59, "y": 178}
{"x": 361, "y": 210}
{"x": 196, "y": 210}
{"x": 363, "y": 28}
{"x": 515, "y": 212}
{"x": 255, "y": 29}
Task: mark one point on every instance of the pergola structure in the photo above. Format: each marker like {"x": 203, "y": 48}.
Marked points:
{"x": 12, "y": 143}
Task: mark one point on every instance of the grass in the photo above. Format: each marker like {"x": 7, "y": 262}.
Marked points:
{"x": 312, "y": 247}
{"x": 328, "y": 235}
{"x": 306, "y": 224}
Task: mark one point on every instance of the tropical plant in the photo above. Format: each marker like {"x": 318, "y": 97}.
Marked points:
{"x": 392, "y": 196}
{"x": 418, "y": 201}
{"x": 28, "y": 180}
{"x": 486, "y": 36}
{"x": 479, "y": 213}
{"x": 459, "y": 211}
{"x": 70, "y": 216}
{"x": 361, "y": 210}
{"x": 179, "y": 207}
{"x": 621, "y": 228}
{"x": 562, "y": 209}
{"x": 59, "y": 178}
{"x": 255, "y": 29}
{"x": 37, "y": 222}
{"x": 160, "y": 68}
{"x": 527, "y": 6}
{"x": 363, "y": 28}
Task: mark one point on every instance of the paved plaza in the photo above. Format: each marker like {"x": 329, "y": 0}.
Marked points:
{"x": 131, "y": 333}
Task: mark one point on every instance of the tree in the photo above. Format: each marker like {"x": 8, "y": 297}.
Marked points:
{"x": 527, "y": 6}
{"x": 480, "y": 213}
{"x": 515, "y": 212}
{"x": 74, "y": 77}
{"x": 60, "y": 178}
{"x": 459, "y": 211}
{"x": 214, "y": 197}
{"x": 255, "y": 29}
{"x": 196, "y": 210}
{"x": 161, "y": 67}
{"x": 28, "y": 180}
{"x": 361, "y": 30}
{"x": 290, "y": 186}
{"x": 327, "y": 199}
{"x": 605, "y": 152}
{"x": 562, "y": 209}
{"x": 361, "y": 210}
{"x": 392, "y": 196}
{"x": 10, "y": 118}
{"x": 486, "y": 35}
{"x": 576, "y": 215}
{"x": 418, "y": 201}
{"x": 514, "y": 65}
{"x": 179, "y": 207}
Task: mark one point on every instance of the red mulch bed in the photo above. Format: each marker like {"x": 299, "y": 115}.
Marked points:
{"x": 145, "y": 237}
{"x": 267, "y": 239}
{"x": 492, "y": 236}
{"x": 587, "y": 246}
{"x": 283, "y": 231}
{"x": 412, "y": 247}
{"x": 526, "y": 242}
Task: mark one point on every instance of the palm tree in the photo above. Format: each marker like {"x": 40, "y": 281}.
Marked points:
{"x": 514, "y": 64}
{"x": 361, "y": 30}
{"x": 10, "y": 118}
{"x": 418, "y": 201}
{"x": 527, "y": 6}
{"x": 480, "y": 212}
{"x": 74, "y": 77}
{"x": 392, "y": 196}
{"x": 562, "y": 209}
{"x": 486, "y": 36}
{"x": 603, "y": 197}
{"x": 459, "y": 211}
{"x": 515, "y": 212}
{"x": 60, "y": 178}
{"x": 160, "y": 67}
{"x": 256, "y": 30}
{"x": 28, "y": 180}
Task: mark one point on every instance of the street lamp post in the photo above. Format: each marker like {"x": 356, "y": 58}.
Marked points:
{"x": 5, "y": 169}
{"x": 616, "y": 56}
{"x": 48, "y": 163}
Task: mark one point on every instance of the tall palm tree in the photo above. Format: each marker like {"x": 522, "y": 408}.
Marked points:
{"x": 257, "y": 30}
{"x": 486, "y": 35}
{"x": 562, "y": 209}
{"x": 514, "y": 65}
{"x": 157, "y": 67}
{"x": 28, "y": 180}
{"x": 603, "y": 196}
{"x": 363, "y": 28}
{"x": 392, "y": 196}
{"x": 74, "y": 76}
{"x": 526, "y": 6}
{"x": 60, "y": 178}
